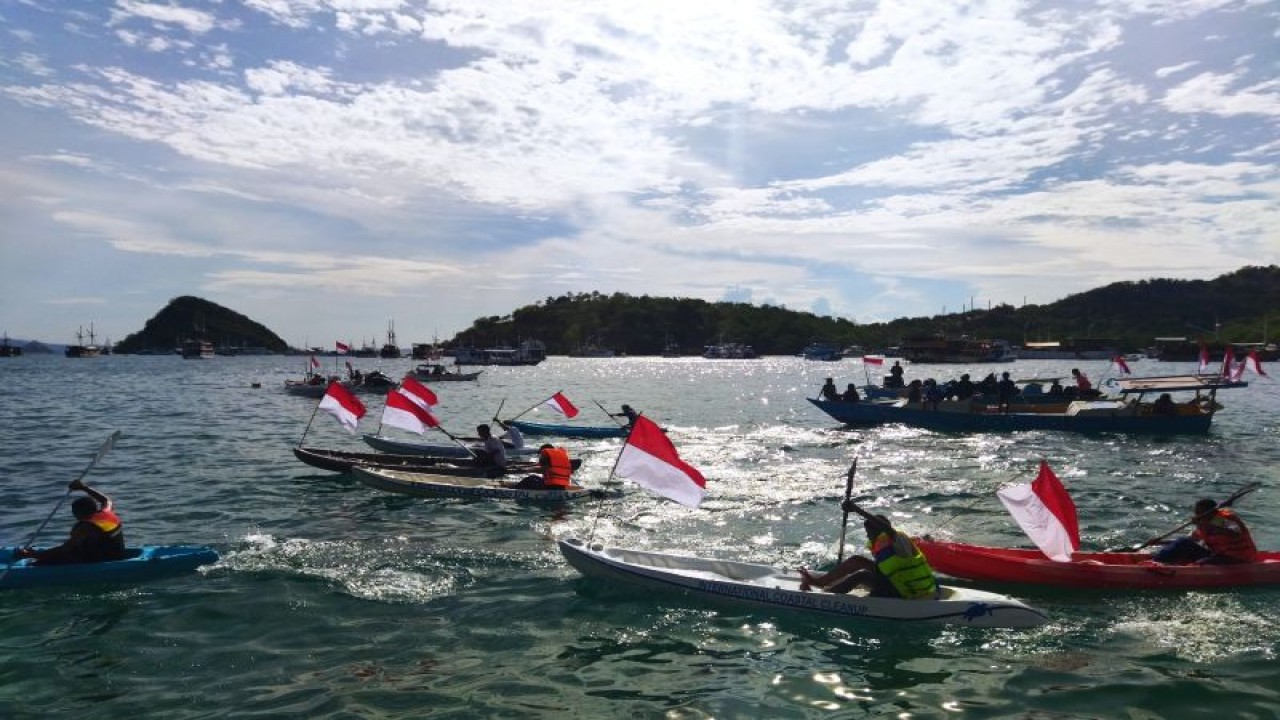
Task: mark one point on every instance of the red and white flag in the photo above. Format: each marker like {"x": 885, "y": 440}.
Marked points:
{"x": 1120, "y": 363}
{"x": 405, "y": 413}
{"x": 315, "y": 364}
{"x": 1204, "y": 359}
{"x": 650, "y": 460}
{"x": 872, "y": 360}
{"x": 340, "y": 403}
{"x": 1046, "y": 514}
{"x": 342, "y": 348}
{"x": 1244, "y": 363}
{"x": 1228, "y": 358}
{"x": 561, "y": 404}
{"x": 417, "y": 392}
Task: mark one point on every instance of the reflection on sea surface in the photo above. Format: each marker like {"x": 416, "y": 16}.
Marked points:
{"x": 335, "y": 600}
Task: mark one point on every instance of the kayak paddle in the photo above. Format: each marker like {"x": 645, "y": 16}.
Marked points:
{"x": 102, "y": 451}
{"x": 1225, "y": 503}
{"x": 848, "y": 496}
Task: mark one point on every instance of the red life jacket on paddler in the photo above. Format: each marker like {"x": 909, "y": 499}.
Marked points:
{"x": 108, "y": 542}
{"x": 1225, "y": 534}
{"x": 557, "y": 467}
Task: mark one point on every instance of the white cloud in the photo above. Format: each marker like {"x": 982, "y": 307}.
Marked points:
{"x": 863, "y": 157}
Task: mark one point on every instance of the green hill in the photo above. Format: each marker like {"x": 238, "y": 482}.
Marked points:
{"x": 192, "y": 318}
{"x": 1233, "y": 307}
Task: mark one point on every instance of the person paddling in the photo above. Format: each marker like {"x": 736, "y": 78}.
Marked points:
{"x": 897, "y": 568}
{"x": 97, "y": 536}
{"x": 1220, "y": 538}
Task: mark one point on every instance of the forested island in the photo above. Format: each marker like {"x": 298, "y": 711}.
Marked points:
{"x": 1232, "y": 308}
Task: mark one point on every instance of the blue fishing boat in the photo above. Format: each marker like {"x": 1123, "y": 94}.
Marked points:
{"x": 574, "y": 431}
{"x": 147, "y": 562}
{"x": 1127, "y": 413}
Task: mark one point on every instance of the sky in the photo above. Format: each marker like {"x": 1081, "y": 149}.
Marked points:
{"x": 331, "y": 167}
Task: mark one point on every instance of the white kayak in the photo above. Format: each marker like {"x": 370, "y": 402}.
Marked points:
{"x": 433, "y": 485}
{"x": 765, "y": 585}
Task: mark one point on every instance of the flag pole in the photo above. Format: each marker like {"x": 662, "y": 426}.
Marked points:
{"x": 534, "y": 406}
{"x": 612, "y": 471}
{"x": 310, "y": 420}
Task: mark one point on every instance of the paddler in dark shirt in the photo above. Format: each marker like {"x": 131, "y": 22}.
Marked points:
{"x": 97, "y": 536}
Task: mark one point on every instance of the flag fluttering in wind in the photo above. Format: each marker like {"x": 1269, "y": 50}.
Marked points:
{"x": 1045, "y": 512}
{"x": 1238, "y": 373}
{"x": 315, "y": 364}
{"x": 561, "y": 404}
{"x": 420, "y": 394}
{"x": 1204, "y": 358}
{"x": 872, "y": 360}
{"x": 342, "y": 347}
{"x": 650, "y": 460}
{"x": 404, "y": 412}
{"x": 1228, "y": 358}
{"x": 340, "y": 403}
{"x": 1120, "y": 363}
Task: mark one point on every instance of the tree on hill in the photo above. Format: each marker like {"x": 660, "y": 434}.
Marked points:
{"x": 1232, "y": 307}
{"x": 193, "y": 318}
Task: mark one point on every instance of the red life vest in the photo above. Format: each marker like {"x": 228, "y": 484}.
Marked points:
{"x": 556, "y": 467}
{"x": 1225, "y": 534}
{"x": 106, "y": 521}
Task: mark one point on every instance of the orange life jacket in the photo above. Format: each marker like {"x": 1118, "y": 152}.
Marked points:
{"x": 106, "y": 521}
{"x": 556, "y": 468}
{"x": 1225, "y": 534}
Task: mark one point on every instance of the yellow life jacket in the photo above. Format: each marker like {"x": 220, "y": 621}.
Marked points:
{"x": 911, "y": 576}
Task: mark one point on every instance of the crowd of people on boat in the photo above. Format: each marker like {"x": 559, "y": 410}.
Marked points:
{"x": 1002, "y": 391}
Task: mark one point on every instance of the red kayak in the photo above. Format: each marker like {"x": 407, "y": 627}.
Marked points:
{"x": 1092, "y": 570}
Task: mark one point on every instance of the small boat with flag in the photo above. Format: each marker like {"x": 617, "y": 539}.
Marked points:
{"x": 1045, "y": 511}
{"x": 775, "y": 588}
{"x": 566, "y": 430}
{"x": 143, "y": 563}
{"x": 1092, "y": 570}
{"x": 436, "y": 485}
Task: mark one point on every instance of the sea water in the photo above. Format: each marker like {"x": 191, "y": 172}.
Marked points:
{"x": 333, "y": 600}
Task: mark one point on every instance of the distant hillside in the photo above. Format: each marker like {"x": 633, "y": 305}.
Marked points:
{"x": 1232, "y": 307}
{"x": 192, "y": 318}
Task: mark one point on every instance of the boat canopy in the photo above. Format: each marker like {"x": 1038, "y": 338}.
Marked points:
{"x": 1171, "y": 383}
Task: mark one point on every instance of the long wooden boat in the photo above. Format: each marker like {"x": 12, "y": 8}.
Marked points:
{"x": 575, "y": 431}
{"x": 1100, "y": 570}
{"x": 312, "y": 388}
{"x": 146, "y": 562}
{"x": 768, "y": 586}
{"x": 450, "y": 486}
{"x": 344, "y": 460}
{"x": 435, "y": 372}
{"x": 1126, "y": 414}
{"x": 453, "y": 450}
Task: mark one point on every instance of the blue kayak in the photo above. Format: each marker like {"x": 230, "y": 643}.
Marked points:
{"x": 574, "y": 431}
{"x": 147, "y": 562}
